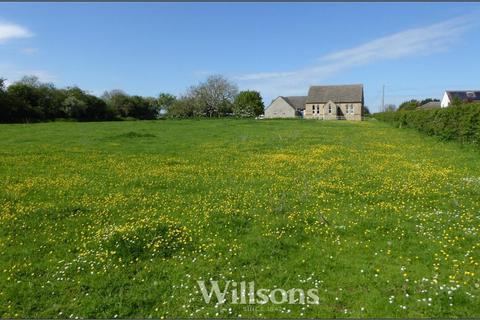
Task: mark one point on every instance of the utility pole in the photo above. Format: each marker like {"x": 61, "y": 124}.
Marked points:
{"x": 383, "y": 98}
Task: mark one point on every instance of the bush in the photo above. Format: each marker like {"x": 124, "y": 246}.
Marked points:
{"x": 30, "y": 100}
{"x": 460, "y": 122}
{"x": 248, "y": 104}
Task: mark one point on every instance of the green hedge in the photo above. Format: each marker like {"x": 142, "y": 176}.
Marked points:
{"x": 460, "y": 123}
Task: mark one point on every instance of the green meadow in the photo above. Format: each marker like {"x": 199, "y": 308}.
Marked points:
{"x": 121, "y": 219}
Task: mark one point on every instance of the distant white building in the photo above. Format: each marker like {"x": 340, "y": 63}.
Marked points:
{"x": 464, "y": 96}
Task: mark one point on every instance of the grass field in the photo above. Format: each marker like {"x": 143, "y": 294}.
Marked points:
{"x": 121, "y": 219}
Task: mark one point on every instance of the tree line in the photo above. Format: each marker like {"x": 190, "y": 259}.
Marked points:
{"x": 30, "y": 100}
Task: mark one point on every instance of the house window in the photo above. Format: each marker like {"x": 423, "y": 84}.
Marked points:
{"x": 350, "y": 109}
{"x": 318, "y": 109}
{"x": 330, "y": 109}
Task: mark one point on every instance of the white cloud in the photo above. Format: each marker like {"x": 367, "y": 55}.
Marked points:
{"x": 412, "y": 42}
{"x": 10, "y": 31}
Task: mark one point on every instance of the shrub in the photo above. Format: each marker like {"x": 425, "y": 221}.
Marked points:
{"x": 248, "y": 104}
{"x": 460, "y": 122}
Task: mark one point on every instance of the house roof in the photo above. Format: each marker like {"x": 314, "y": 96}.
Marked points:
{"x": 338, "y": 93}
{"x": 468, "y": 95}
{"x": 430, "y": 105}
{"x": 297, "y": 102}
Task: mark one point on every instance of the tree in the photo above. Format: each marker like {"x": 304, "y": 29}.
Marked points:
{"x": 31, "y": 81}
{"x": 153, "y": 107}
{"x": 4, "y": 105}
{"x": 50, "y": 101}
{"x": 427, "y": 100}
{"x": 85, "y": 107}
{"x": 74, "y": 107}
{"x": 131, "y": 106}
{"x": 30, "y": 100}
{"x": 165, "y": 101}
{"x": 23, "y": 99}
{"x": 109, "y": 95}
{"x": 185, "y": 107}
{"x": 3, "y": 93}
{"x": 409, "y": 105}
{"x": 45, "y": 96}
{"x": 248, "y": 104}
{"x": 97, "y": 109}
{"x": 214, "y": 96}
{"x": 117, "y": 101}
{"x": 142, "y": 108}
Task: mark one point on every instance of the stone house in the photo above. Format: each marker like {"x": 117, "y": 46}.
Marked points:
{"x": 286, "y": 107}
{"x": 343, "y": 102}
{"x": 339, "y": 102}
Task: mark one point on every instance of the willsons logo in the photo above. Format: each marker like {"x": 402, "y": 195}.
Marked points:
{"x": 245, "y": 293}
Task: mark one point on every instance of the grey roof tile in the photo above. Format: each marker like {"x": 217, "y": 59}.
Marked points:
{"x": 337, "y": 93}
{"x": 430, "y": 105}
{"x": 468, "y": 95}
{"x": 297, "y": 102}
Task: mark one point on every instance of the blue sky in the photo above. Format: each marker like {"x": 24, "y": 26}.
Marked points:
{"x": 416, "y": 49}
